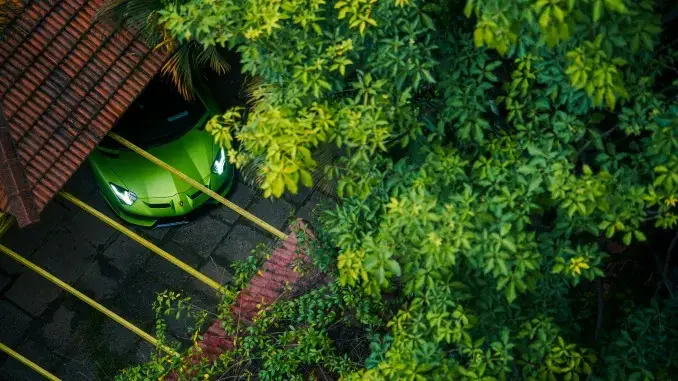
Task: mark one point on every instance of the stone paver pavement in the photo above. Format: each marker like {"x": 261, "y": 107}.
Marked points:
{"x": 75, "y": 342}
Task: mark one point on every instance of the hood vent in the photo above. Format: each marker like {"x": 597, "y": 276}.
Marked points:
{"x": 158, "y": 206}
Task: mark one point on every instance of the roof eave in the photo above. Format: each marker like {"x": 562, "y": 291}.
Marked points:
{"x": 13, "y": 180}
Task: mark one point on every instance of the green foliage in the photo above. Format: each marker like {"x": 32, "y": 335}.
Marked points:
{"x": 348, "y": 47}
{"x": 245, "y": 269}
{"x": 590, "y": 69}
{"x": 284, "y": 341}
{"x": 642, "y": 345}
{"x": 492, "y": 153}
{"x": 168, "y": 305}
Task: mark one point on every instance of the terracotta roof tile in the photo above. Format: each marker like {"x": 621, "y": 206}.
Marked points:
{"x": 64, "y": 82}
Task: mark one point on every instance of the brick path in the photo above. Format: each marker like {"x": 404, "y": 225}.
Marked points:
{"x": 275, "y": 281}
{"x": 69, "y": 338}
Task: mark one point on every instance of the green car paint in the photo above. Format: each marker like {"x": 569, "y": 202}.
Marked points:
{"x": 161, "y": 197}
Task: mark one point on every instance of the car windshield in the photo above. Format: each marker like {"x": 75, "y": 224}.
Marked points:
{"x": 158, "y": 116}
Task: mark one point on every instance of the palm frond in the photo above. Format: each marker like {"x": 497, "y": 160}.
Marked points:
{"x": 179, "y": 68}
{"x": 251, "y": 172}
{"x": 255, "y": 90}
{"x": 326, "y": 155}
{"x": 186, "y": 58}
{"x": 252, "y": 83}
{"x": 138, "y": 15}
{"x": 210, "y": 57}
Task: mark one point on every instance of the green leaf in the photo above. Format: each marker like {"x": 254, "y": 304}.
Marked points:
{"x": 627, "y": 239}
{"x": 278, "y": 186}
{"x": 394, "y": 267}
{"x": 545, "y": 18}
{"x": 587, "y": 170}
{"x": 290, "y": 183}
{"x": 542, "y": 103}
{"x": 511, "y": 292}
{"x": 597, "y": 9}
{"x": 468, "y": 8}
{"x": 558, "y": 268}
{"x": 635, "y": 44}
{"x": 478, "y": 37}
{"x": 597, "y": 139}
{"x": 509, "y": 245}
{"x": 526, "y": 170}
{"x": 505, "y": 229}
{"x": 493, "y": 65}
{"x": 534, "y": 150}
{"x": 306, "y": 178}
{"x": 609, "y": 232}
{"x": 640, "y": 236}
{"x": 659, "y": 180}
{"x": 428, "y": 76}
{"x": 502, "y": 282}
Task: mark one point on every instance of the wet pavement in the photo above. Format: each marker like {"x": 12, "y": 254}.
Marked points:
{"x": 75, "y": 342}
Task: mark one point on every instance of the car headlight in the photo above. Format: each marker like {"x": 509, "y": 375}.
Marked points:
{"x": 219, "y": 162}
{"x": 125, "y": 196}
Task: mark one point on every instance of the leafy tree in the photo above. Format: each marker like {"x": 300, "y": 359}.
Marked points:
{"x": 493, "y": 154}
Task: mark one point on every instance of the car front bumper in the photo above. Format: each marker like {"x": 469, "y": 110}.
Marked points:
{"x": 169, "y": 211}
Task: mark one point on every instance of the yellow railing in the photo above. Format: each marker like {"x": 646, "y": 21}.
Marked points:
{"x": 28, "y": 363}
{"x": 6, "y": 222}
{"x": 256, "y": 220}
{"x": 143, "y": 241}
{"x": 66, "y": 287}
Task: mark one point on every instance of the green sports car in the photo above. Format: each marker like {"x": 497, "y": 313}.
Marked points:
{"x": 172, "y": 129}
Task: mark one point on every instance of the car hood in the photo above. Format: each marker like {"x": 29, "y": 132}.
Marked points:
{"x": 192, "y": 154}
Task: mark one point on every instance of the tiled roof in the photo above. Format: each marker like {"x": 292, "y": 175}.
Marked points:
{"x": 64, "y": 81}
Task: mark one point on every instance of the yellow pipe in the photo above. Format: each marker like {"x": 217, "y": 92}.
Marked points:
{"x": 256, "y": 220}
{"x": 143, "y": 241}
{"x": 6, "y": 222}
{"x": 29, "y": 363}
{"x": 12, "y": 254}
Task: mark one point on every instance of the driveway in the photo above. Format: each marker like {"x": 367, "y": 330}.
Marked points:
{"x": 75, "y": 342}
